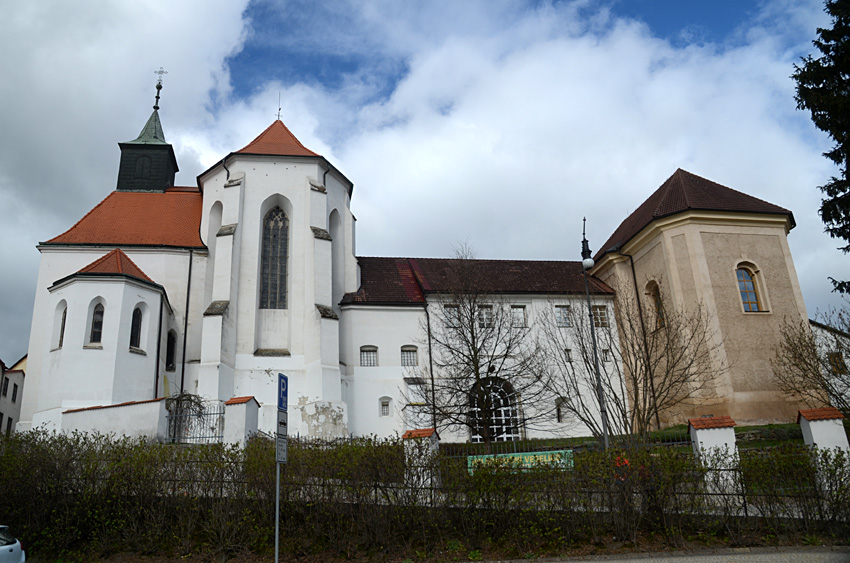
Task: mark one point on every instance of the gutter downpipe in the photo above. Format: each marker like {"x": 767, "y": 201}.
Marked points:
{"x": 430, "y": 354}
{"x": 643, "y": 333}
{"x": 186, "y": 323}
{"x": 158, "y": 348}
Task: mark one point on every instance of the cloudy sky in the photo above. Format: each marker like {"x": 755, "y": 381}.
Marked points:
{"x": 497, "y": 123}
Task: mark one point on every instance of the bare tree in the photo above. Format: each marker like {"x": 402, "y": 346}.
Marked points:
{"x": 810, "y": 362}
{"x": 655, "y": 361}
{"x": 487, "y": 377}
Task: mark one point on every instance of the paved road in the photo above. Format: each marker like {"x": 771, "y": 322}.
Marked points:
{"x": 742, "y": 555}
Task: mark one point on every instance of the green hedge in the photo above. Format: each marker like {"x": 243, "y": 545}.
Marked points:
{"x": 70, "y": 496}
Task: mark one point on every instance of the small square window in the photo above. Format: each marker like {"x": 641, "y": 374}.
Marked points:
{"x": 836, "y": 363}
{"x": 606, "y": 355}
{"x": 408, "y": 356}
{"x": 518, "y": 316}
{"x": 600, "y": 316}
{"x": 568, "y": 355}
{"x": 562, "y": 316}
{"x": 368, "y": 356}
{"x": 485, "y": 316}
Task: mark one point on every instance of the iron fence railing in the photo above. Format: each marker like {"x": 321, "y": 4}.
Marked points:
{"x": 196, "y": 426}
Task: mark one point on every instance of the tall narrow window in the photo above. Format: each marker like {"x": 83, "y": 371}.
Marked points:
{"x": 62, "y": 327}
{"x": 655, "y": 296}
{"x": 5, "y": 386}
{"x": 518, "y": 315}
{"x": 96, "y": 325}
{"x": 14, "y": 392}
{"x": 170, "y": 351}
{"x": 136, "y": 328}
{"x": 452, "y": 315}
{"x": 385, "y": 406}
{"x": 749, "y": 293}
{"x": 600, "y": 316}
{"x": 273, "y": 267}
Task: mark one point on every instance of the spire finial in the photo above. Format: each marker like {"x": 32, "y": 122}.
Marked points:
{"x": 160, "y": 72}
{"x": 278, "y": 106}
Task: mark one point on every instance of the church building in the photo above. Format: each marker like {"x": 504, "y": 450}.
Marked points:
{"x": 214, "y": 289}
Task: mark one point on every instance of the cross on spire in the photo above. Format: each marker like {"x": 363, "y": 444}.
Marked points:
{"x": 160, "y": 72}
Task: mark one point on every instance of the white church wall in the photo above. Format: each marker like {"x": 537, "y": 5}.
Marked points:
{"x": 388, "y": 329}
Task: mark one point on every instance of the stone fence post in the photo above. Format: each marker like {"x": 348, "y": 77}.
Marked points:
{"x": 713, "y": 441}
{"x": 823, "y": 428}
{"x": 420, "y": 452}
{"x": 241, "y": 416}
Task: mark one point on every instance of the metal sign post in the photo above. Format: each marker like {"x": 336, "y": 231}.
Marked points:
{"x": 280, "y": 451}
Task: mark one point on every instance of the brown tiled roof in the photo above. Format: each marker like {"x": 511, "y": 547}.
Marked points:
{"x": 421, "y": 433}
{"x": 115, "y": 262}
{"x": 277, "y": 140}
{"x": 240, "y": 400}
{"x": 406, "y": 281}
{"x": 711, "y": 422}
{"x": 684, "y": 191}
{"x": 172, "y": 218}
{"x": 126, "y": 404}
{"x": 823, "y": 413}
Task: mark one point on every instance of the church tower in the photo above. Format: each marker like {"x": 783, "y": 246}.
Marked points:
{"x": 148, "y": 163}
{"x": 277, "y": 223}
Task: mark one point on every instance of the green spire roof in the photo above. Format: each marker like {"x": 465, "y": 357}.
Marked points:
{"x": 151, "y": 133}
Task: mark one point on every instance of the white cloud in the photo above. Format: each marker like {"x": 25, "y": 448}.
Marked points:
{"x": 506, "y": 126}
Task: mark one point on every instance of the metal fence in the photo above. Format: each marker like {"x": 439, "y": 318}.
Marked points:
{"x": 188, "y": 424}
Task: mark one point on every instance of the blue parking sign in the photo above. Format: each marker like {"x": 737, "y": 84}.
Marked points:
{"x": 282, "y": 391}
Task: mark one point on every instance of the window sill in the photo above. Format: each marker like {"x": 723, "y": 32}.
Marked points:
{"x": 55, "y": 349}
{"x": 93, "y": 347}
{"x": 139, "y": 351}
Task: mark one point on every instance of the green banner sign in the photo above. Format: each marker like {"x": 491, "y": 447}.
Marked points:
{"x": 558, "y": 458}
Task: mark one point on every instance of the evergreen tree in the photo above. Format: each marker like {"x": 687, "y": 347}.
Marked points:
{"x": 823, "y": 88}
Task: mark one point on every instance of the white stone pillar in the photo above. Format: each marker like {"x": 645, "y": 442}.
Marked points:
{"x": 823, "y": 428}
{"x": 240, "y": 420}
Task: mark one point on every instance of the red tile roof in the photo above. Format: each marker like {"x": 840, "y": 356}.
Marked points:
{"x": 406, "y": 281}
{"x": 823, "y": 413}
{"x": 126, "y": 404}
{"x": 172, "y": 218}
{"x": 711, "y": 422}
{"x": 240, "y": 400}
{"x": 115, "y": 262}
{"x": 421, "y": 433}
{"x": 277, "y": 140}
{"x": 684, "y": 191}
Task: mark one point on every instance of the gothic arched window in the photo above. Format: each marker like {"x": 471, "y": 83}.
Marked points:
{"x": 136, "y": 328}
{"x": 96, "y": 325}
{"x": 273, "y": 268}
{"x": 493, "y": 405}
